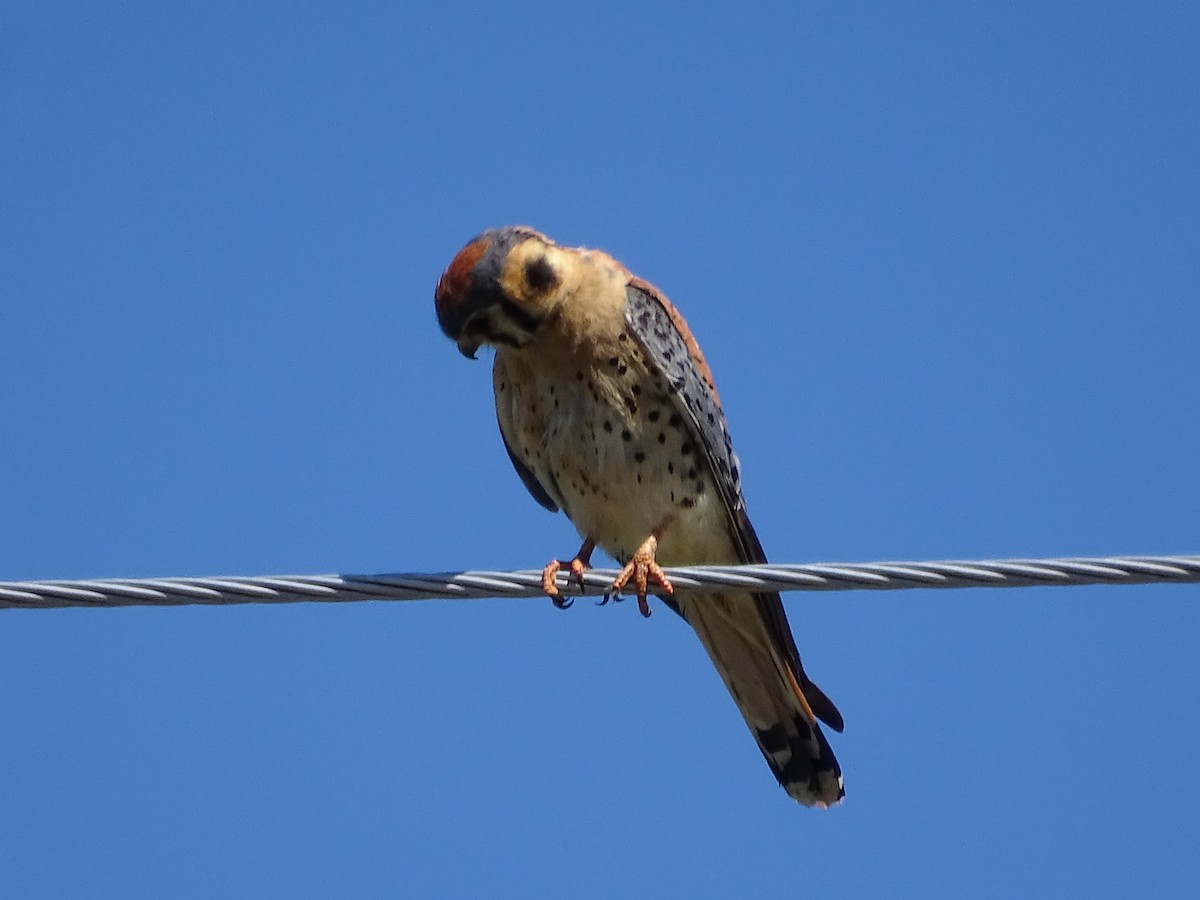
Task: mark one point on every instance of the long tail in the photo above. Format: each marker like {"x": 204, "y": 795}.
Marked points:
{"x": 741, "y": 633}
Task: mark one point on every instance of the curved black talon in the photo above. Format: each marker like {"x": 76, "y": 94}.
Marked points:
{"x": 561, "y": 602}
{"x": 610, "y": 594}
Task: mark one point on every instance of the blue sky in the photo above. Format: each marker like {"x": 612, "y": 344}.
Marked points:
{"x": 944, "y": 262}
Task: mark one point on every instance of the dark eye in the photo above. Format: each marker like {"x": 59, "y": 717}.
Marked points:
{"x": 540, "y": 275}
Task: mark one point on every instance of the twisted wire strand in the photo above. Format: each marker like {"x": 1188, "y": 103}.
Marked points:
{"x": 528, "y": 582}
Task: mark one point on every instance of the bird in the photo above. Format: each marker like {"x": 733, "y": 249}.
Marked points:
{"x": 609, "y": 413}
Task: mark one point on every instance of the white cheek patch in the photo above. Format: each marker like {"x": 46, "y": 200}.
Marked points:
{"x": 501, "y": 329}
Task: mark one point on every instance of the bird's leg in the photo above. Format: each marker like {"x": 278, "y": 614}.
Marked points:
{"x": 641, "y": 568}
{"x": 578, "y": 565}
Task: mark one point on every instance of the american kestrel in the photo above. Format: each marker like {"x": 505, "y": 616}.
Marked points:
{"x": 609, "y": 413}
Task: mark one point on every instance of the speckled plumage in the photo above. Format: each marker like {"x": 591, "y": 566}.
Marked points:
{"x": 609, "y": 413}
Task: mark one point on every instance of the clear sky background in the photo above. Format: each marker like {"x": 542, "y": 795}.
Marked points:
{"x": 945, "y": 263}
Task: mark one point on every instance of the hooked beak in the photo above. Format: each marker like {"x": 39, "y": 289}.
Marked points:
{"x": 467, "y": 347}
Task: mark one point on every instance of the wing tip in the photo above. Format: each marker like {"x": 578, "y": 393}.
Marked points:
{"x": 823, "y": 708}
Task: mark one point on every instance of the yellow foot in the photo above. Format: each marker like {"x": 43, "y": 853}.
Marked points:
{"x": 578, "y": 566}
{"x": 640, "y": 570}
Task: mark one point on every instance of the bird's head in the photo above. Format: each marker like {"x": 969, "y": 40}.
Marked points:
{"x": 500, "y": 289}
